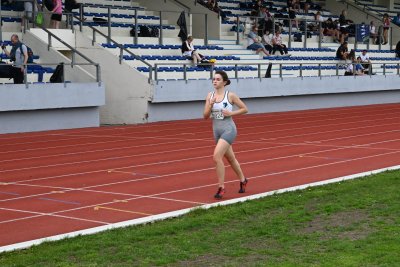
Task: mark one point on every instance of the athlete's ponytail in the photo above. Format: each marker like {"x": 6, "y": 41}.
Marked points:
{"x": 224, "y": 76}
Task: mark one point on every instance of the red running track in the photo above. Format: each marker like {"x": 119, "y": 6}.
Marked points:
{"x": 62, "y": 183}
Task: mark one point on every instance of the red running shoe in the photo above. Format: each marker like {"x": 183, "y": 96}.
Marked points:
{"x": 243, "y": 186}
{"x": 220, "y": 193}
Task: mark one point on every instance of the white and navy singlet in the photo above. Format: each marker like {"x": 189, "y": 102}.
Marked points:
{"x": 223, "y": 127}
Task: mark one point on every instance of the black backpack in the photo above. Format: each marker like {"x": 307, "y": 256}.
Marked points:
{"x": 297, "y": 36}
{"x": 155, "y": 32}
{"x": 48, "y": 4}
{"x": 58, "y": 74}
{"x": 144, "y": 31}
{"x": 100, "y": 20}
{"x": 29, "y": 50}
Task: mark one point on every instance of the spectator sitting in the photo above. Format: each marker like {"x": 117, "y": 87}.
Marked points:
{"x": 314, "y": 26}
{"x": 330, "y": 30}
{"x": 354, "y": 68}
{"x": 213, "y": 5}
{"x": 278, "y": 45}
{"x": 343, "y": 24}
{"x": 19, "y": 55}
{"x": 343, "y": 51}
{"x": 190, "y": 52}
{"x": 364, "y": 59}
{"x": 305, "y": 6}
{"x": 292, "y": 14}
{"x": 267, "y": 41}
{"x": 265, "y": 19}
{"x": 254, "y": 41}
{"x": 258, "y": 5}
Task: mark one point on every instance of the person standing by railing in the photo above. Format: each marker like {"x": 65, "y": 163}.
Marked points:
{"x": 19, "y": 55}
{"x": 70, "y": 5}
{"x": 386, "y": 26}
{"x": 57, "y": 14}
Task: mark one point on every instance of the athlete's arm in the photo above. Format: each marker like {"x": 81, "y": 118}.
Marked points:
{"x": 235, "y": 100}
{"x": 208, "y": 106}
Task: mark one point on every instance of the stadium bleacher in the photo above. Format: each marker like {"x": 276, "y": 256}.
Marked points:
{"x": 224, "y": 50}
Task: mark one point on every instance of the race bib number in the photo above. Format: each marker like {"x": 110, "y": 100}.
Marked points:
{"x": 217, "y": 114}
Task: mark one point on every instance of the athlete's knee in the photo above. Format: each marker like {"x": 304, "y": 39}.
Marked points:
{"x": 217, "y": 158}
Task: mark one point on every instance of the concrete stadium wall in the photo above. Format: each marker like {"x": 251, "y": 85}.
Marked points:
{"x": 49, "y": 106}
{"x": 178, "y": 100}
{"x": 127, "y": 90}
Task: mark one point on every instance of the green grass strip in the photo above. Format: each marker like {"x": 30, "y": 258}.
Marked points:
{"x": 353, "y": 223}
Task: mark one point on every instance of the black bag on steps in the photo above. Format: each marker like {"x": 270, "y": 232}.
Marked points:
{"x": 58, "y": 74}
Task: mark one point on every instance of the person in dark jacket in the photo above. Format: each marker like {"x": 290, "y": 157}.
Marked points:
{"x": 398, "y": 49}
{"x": 70, "y": 5}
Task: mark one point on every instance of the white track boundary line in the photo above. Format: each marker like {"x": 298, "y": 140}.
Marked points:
{"x": 167, "y": 215}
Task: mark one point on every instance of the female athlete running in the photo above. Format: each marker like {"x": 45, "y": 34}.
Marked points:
{"x": 219, "y": 104}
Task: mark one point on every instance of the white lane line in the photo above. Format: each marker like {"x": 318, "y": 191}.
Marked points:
{"x": 174, "y": 135}
{"x": 130, "y": 166}
{"x": 53, "y": 215}
{"x": 130, "y": 156}
{"x": 214, "y": 184}
{"x": 181, "y": 212}
{"x": 106, "y": 170}
{"x": 161, "y": 176}
{"x": 86, "y": 144}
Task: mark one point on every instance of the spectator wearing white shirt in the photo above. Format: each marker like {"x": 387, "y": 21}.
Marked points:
{"x": 278, "y": 45}
{"x": 365, "y": 61}
{"x": 254, "y": 41}
{"x": 189, "y": 51}
{"x": 372, "y": 32}
{"x": 267, "y": 41}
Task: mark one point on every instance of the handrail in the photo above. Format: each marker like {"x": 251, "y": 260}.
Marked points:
{"x": 63, "y": 65}
{"x": 337, "y": 64}
{"x": 377, "y": 11}
{"x": 360, "y": 9}
{"x": 180, "y": 3}
{"x": 50, "y": 34}
{"x": 120, "y": 46}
